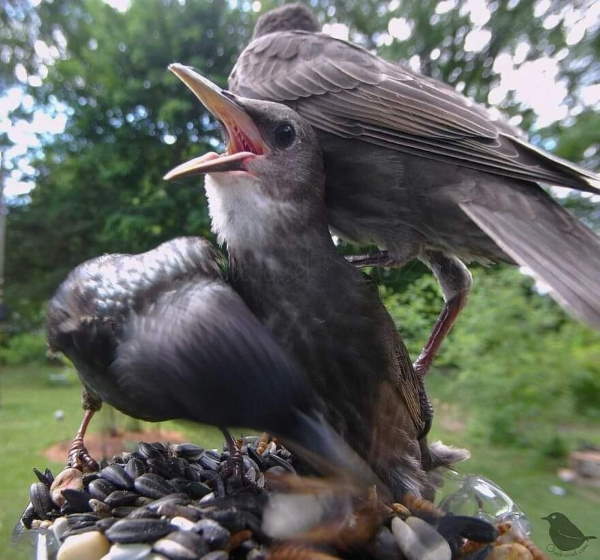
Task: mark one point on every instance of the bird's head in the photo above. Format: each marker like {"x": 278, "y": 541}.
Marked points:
{"x": 272, "y": 169}
{"x": 554, "y": 517}
{"x": 289, "y": 17}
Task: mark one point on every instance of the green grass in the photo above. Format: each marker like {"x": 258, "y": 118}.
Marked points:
{"x": 28, "y": 400}
{"x": 524, "y": 474}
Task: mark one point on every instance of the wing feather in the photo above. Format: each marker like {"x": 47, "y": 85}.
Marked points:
{"x": 345, "y": 90}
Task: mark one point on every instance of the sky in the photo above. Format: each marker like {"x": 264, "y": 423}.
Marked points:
{"x": 526, "y": 79}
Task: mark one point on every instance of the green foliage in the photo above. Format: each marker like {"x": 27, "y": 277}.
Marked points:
{"x": 24, "y": 348}
{"x": 99, "y": 185}
{"x": 414, "y": 310}
{"x": 555, "y": 448}
{"x": 514, "y": 359}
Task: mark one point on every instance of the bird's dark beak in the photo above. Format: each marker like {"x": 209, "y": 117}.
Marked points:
{"x": 245, "y": 140}
{"x": 547, "y": 518}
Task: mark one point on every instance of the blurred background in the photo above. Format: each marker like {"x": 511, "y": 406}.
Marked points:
{"x": 90, "y": 120}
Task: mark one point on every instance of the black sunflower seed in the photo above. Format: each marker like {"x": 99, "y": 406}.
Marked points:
{"x": 138, "y": 530}
{"x": 116, "y": 475}
{"x": 39, "y": 494}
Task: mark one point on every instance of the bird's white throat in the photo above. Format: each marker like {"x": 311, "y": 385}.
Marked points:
{"x": 242, "y": 214}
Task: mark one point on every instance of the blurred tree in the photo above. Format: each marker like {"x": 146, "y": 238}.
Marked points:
{"x": 99, "y": 185}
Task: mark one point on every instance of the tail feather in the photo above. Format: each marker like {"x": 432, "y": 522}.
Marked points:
{"x": 537, "y": 232}
{"x": 311, "y": 437}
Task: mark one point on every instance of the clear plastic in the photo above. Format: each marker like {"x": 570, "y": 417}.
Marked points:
{"x": 473, "y": 494}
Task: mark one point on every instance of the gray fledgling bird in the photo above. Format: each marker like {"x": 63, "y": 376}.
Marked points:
{"x": 563, "y": 532}
{"x": 266, "y": 202}
{"x": 421, "y": 171}
{"x": 163, "y": 335}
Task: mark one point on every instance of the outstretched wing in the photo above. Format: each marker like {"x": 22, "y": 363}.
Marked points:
{"x": 200, "y": 351}
{"x": 345, "y": 90}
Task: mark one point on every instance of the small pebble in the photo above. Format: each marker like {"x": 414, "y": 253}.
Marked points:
{"x": 92, "y": 545}
{"x": 128, "y": 552}
{"x": 71, "y": 479}
{"x": 419, "y": 541}
{"x": 215, "y": 555}
{"x": 181, "y": 545}
{"x": 183, "y": 523}
{"x": 60, "y": 527}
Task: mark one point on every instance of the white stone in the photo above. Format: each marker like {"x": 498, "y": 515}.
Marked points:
{"x": 128, "y": 552}
{"x": 183, "y": 523}
{"x": 86, "y": 546}
{"x": 210, "y": 496}
{"x": 59, "y": 527}
{"x": 419, "y": 541}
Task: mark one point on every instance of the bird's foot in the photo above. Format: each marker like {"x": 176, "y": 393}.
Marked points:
{"x": 78, "y": 457}
{"x": 422, "y": 364}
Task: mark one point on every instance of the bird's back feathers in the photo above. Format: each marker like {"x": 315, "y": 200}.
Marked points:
{"x": 345, "y": 90}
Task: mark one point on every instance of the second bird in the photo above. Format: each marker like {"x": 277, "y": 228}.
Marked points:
{"x": 421, "y": 171}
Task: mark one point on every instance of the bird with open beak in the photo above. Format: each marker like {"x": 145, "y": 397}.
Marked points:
{"x": 266, "y": 203}
{"x": 421, "y": 171}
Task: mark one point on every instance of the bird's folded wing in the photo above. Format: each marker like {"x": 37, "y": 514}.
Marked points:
{"x": 345, "y": 90}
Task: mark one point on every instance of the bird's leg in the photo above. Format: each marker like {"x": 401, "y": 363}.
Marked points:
{"x": 263, "y": 441}
{"x": 379, "y": 258}
{"x": 78, "y": 455}
{"x": 234, "y": 466}
{"x": 455, "y": 281}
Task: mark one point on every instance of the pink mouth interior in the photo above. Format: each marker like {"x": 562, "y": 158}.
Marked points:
{"x": 239, "y": 141}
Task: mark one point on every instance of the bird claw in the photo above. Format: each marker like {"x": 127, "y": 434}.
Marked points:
{"x": 78, "y": 457}
{"x": 422, "y": 364}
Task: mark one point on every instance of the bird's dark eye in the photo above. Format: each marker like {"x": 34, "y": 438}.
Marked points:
{"x": 285, "y": 134}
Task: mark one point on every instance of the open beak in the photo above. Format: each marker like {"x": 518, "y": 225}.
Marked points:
{"x": 245, "y": 140}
